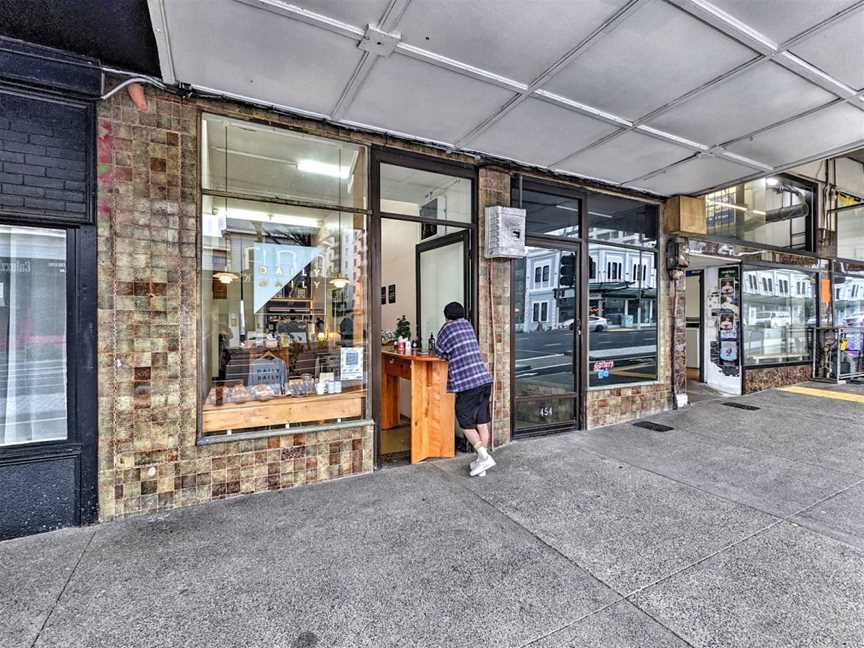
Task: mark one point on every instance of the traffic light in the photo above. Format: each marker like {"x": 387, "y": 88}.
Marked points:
{"x": 567, "y": 274}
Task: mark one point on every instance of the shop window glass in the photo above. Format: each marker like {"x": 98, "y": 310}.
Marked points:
{"x": 622, "y": 322}
{"x": 775, "y": 321}
{"x": 244, "y": 158}
{"x": 284, "y": 318}
{"x": 548, "y": 214}
{"x": 850, "y": 234}
{"x": 620, "y": 220}
{"x": 32, "y": 335}
{"x": 772, "y": 211}
{"x": 849, "y": 301}
{"x": 413, "y": 192}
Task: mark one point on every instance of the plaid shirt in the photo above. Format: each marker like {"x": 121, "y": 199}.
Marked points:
{"x": 457, "y": 344}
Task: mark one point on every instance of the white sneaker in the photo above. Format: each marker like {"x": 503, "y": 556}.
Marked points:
{"x": 482, "y": 465}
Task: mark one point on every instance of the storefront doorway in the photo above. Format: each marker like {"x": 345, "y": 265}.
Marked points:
{"x": 714, "y": 328}
{"x": 546, "y": 338}
{"x": 424, "y": 211}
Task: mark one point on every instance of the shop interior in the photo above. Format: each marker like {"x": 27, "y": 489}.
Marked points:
{"x": 284, "y": 313}
{"x": 424, "y": 266}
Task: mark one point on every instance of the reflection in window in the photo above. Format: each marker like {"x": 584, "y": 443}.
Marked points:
{"x": 850, "y": 234}
{"x": 548, "y": 214}
{"x": 775, "y": 321}
{"x": 32, "y": 335}
{"x": 413, "y": 192}
{"x": 849, "y": 301}
{"x": 619, "y": 220}
{"x": 544, "y": 325}
{"x": 251, "y": 159}
{"x": 622, "y": 322}
{"x": 772, "y": 211}
{"x": 283, "y": 287}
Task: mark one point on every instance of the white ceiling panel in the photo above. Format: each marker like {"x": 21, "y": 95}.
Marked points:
{"x": 762, "y": 95}
{"x": 780, "y": 20}
{"x": 653, "y": 56}
{"x": 626, "y": 157}
{"x": 503, "y": 38}
{"x": 408, "y": 96}
{"x": 232, "y": 47}
{"x": 540, "y": 133}
{"x": 838, "y": 50}
{"x": 354, "y": 12}
{"x": 694, "y": 176}
{"x": 822, "y": 131}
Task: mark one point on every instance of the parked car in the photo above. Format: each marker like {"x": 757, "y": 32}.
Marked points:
{"x": 772, "y": 319}
{"x": 595, "y": 323}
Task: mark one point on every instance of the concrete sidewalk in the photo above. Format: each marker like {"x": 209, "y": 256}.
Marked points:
{"x": 736, "y": 528}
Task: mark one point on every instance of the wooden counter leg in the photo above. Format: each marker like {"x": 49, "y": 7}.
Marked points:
{"x": 389, "y": 401}
{"x": 432, "y": 409}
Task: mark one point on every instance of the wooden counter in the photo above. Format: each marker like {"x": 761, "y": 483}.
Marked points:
{"x": 282, "y": 410}
{"x": 433, "y": 415}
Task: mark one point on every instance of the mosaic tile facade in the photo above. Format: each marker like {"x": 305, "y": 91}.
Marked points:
{"x": 148, "y": 311}
{"x": 147, "y": 211}
{"x": 494, "y": 305}
{"x": 771, "y": 377}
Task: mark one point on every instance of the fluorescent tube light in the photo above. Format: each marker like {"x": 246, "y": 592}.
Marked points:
{"x": 323, "y": 168}
{"x": 264, "y": 217}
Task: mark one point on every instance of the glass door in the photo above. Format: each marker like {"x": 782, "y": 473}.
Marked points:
{"x": 546, "y": 339}
{"x": 441, "y": 279}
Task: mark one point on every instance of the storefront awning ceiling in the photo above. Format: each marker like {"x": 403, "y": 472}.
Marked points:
{"x": 674, "y": 96}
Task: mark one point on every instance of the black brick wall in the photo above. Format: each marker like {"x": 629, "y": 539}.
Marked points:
{"x": 43, "y": 157}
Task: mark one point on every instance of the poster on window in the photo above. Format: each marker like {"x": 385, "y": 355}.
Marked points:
{"x": 727, "y": 320}
{"x": 728, "y": 327}
{"x": 351, "y": 366}
{"x": 729, "y": 351}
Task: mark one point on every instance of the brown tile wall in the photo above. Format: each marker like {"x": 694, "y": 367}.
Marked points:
{"x": 771, "y": 377}
{"x": 494, "y": 306}
{"x": 148, "y": 312}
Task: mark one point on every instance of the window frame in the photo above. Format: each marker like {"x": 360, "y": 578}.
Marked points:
{"x": 82, "y": 362}
{"x": 369, "y": 304}
{"x": 812, "y": 221}
{"x": 755, "y": 266}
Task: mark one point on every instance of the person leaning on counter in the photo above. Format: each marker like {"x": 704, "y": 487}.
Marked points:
{"x": 469, "y": 379}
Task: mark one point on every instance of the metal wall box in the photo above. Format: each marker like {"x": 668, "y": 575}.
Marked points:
{"x": 505, "y": 233}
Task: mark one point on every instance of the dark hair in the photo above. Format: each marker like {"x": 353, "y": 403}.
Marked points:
{"x": 454, "y": 311}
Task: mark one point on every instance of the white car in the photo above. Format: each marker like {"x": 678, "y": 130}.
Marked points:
{"x": 595, "y": 323}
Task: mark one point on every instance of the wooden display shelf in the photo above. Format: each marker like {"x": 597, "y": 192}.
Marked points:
{"x": 282, "y": 410}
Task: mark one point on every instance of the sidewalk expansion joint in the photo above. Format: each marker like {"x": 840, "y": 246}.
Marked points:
{"x": 63, "y": 589}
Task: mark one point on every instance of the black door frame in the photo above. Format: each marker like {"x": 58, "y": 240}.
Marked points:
{"x": 463, "y": 237}
{"x": 82, "y": 419}
{"x": 575, "y": 396}
{"x": 381, "y": 155}
{"x": 580, "y": 329}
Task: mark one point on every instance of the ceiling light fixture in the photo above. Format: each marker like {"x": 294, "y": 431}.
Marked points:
{"x": 772, "y": 182}
{"x": 323, "y": 168}
{"x": 225, "y": 277}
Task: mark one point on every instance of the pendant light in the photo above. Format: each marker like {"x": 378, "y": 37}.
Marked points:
{"x": 337, "y": 280}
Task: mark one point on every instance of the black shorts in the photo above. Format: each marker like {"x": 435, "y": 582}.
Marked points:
{"x": 472, "y": 406}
